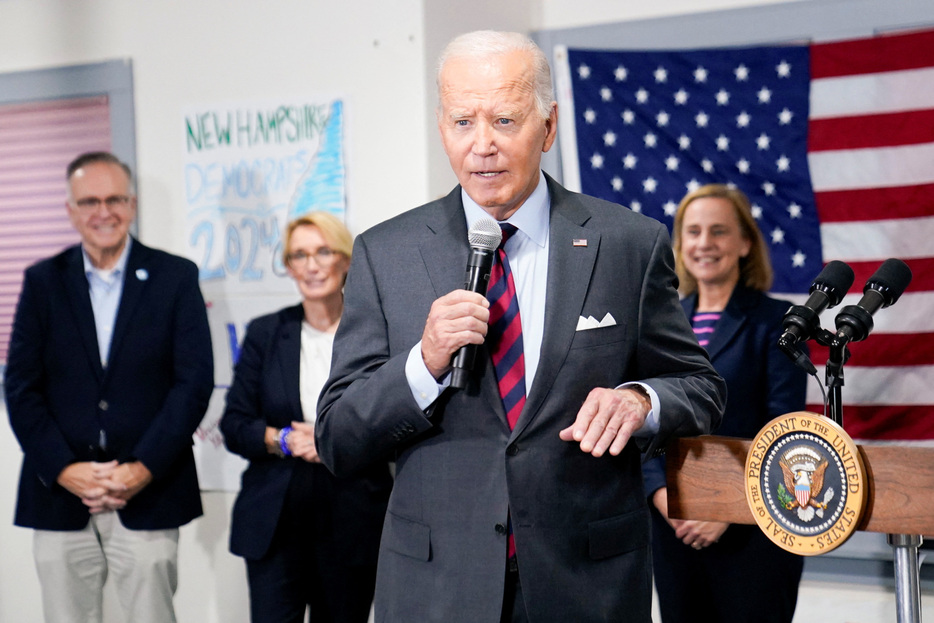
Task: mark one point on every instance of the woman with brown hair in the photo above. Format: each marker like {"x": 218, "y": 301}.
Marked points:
{"x": 706, "y": 570}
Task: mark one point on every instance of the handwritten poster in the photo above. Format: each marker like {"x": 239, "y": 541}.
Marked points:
{"x": 248, "y": 169}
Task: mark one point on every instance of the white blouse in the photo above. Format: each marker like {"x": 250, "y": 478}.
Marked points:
{"x": 314, "y": 367}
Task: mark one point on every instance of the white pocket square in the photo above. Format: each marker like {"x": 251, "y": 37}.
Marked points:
{"x": 592, "y": 323}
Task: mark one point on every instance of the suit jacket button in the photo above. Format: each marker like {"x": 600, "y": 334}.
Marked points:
{"x": 500, "y": 528}
{"x": 102, "y": 405}
{"x": 513, "y": 449}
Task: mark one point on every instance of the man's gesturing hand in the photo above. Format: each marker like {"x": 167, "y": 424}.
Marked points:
{"x": 607, "y": 419}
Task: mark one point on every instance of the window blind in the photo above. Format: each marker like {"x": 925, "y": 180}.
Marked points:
{"x": 37, "y": 141}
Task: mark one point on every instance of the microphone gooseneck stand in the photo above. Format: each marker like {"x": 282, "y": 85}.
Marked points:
{"x": 904, "y": 546}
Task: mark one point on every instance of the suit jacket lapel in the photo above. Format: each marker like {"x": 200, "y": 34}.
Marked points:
{"x": 569, "y": 271}
{"x": 137, "y": 275}
{"x": 732, "y": 320}
{"x": 76, "y": 287}
{"x": 443, "y": 246}
{"x": 288, "y": 356}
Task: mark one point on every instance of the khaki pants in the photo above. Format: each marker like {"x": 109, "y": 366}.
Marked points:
{"x": 74, "y": 565}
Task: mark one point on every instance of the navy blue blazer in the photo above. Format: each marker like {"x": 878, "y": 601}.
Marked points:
{"x": 265, "y": 392}
{"x": 762, "y": 382}
{"x": 64, "y": 407}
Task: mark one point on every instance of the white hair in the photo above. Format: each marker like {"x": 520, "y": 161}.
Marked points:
{"x": 486, "y": 43}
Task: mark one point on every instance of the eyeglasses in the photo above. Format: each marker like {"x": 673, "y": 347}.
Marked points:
{"x": 91, "y": 204}
{"x": 323, "y": 256}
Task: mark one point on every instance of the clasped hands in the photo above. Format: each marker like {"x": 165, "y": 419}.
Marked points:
{"x": 106, "y": 486}
{"x": 696, "y": 534}
{"x": 604, "y": 423}
{"x": 300, "y": 441}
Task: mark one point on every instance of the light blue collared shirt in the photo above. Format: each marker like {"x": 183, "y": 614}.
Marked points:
{"x": 106, "y": 288}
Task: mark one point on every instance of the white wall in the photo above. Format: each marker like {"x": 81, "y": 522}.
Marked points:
{"x": 377, "y": 54}
{"x": 572, "y": 13}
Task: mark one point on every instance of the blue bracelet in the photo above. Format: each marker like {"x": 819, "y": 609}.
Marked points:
{"x": 283, "y": 440}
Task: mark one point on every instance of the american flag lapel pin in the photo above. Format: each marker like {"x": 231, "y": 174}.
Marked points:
{"x": 579, "y": 242}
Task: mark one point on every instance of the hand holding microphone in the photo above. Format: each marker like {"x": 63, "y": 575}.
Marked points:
{"x": 484, "y": 237}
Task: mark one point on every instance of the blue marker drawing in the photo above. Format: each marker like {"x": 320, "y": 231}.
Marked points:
{"x": 234, "y": 343}
{"x": 321, "y": 186}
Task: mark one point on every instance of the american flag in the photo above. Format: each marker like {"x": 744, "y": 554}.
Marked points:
{"x": 834, "y": 145}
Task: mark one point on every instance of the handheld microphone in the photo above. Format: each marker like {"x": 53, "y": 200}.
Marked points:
{"x": 854, "y": 322}
{"x": 801, "y": 322}
{"x": 484, "y": 237}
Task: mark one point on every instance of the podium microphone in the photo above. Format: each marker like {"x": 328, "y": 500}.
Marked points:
{"x": 854, "y": 322}
{"x": 801, "y": 322}
{"x": 484, "y": 237}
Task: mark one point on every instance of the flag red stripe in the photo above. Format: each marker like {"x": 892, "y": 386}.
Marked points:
{"x": 866, "y": 131}
{"x": 922, "y": 273}
{"x": 873, "y": 55}
{"x": 873, "y": 204}
{"x": 889, "y": 422}
{"x": 884, "y": 349}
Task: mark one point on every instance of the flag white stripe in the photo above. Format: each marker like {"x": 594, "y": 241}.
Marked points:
{"x": 883, "y": 386}
{"x": 894, "y": 91}
{"x": 863, "y": 241}
{"x": 879, "y": 167}
{"x": 567, "y": 132}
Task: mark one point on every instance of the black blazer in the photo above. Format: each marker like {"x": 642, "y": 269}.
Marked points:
{"x": 148, "y": 402}
{"x": 265, "y": 392}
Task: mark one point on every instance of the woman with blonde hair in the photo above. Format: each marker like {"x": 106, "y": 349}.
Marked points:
{"x": 707, "y": 570}
{"x": 310, "y": 540}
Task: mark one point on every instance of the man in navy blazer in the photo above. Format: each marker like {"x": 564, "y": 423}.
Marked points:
{"x": 109, "y": 373}
{"x": 608, "y": 353}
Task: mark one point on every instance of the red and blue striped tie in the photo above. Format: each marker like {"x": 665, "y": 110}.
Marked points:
{"x": 505, "y": 333}
{"x": 505, "y": 341}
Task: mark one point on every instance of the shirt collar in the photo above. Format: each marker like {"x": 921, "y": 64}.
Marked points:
{"x": 532, "y": 217}
{"x": 118, "y": 268}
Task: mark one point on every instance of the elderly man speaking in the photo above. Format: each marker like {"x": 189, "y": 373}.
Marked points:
{"x": 518, "y": 497}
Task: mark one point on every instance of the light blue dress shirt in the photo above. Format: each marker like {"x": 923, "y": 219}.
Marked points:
{"x": 106, "y": 288}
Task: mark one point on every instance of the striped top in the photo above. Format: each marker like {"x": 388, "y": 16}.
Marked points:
{"x": 704, "y": 324}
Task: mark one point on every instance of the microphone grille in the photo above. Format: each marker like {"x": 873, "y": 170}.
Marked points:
{"x": 485, "y": 234}
{"x": 891, "y": 279}
{"x": 834, "y": 280}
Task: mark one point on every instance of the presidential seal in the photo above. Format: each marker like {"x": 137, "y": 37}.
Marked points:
{"x": 806, "y": 483}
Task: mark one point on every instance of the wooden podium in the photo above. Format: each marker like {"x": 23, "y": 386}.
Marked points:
{"x": 705, "y": 478}
{"x": 705, "y": 481}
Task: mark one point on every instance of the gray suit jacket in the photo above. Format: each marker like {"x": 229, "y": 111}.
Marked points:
{"x": 580, "y": 523}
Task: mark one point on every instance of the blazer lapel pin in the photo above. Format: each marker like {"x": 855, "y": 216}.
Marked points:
{"x": 142, "y": 274}
{"x": 579, "y": 242}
